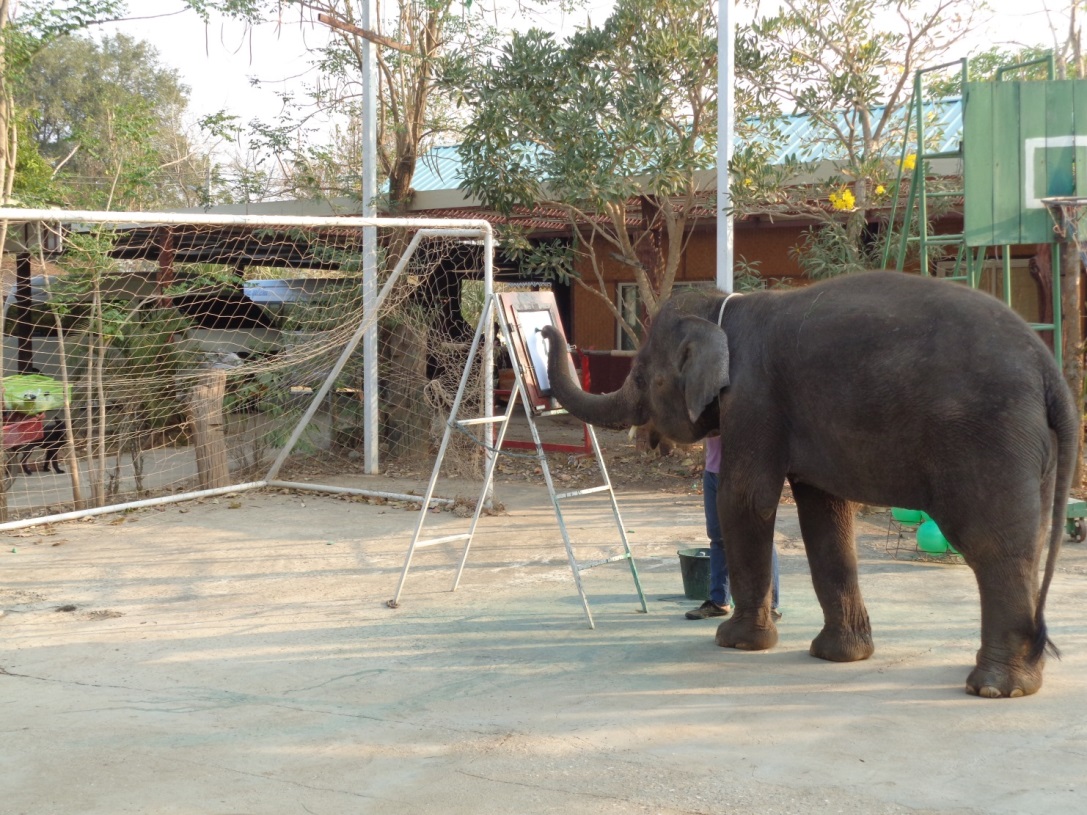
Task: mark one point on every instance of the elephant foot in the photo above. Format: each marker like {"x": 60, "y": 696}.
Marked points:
{"x": 746, "y": 632}
{"x": 839, "y": 644}
{"x": 994, "y": 680}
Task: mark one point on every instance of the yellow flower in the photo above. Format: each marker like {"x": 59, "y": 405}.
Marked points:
{"x": 748, "y": 182}
{"x": 880, "y": 189}
{"x": 843, "y": 199}
{"x": 909, "y": 162}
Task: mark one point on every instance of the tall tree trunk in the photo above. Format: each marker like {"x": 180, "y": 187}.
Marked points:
{"x": 7, "y": 177}
{"x": 650, "y": 252}
{"x": 8, "y": 131}
{"x": 406, "y": 423}
{"x": 1072, "y": 336}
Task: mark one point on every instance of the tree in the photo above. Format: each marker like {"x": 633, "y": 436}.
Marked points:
{"x": 39, "y": 24}
{"x": 847, "y": 66}
{"x": 1068, "y": 49}
{"x": 1071, "y": 63}
{"x": 9, "y": 133}
{"x": 108, "y": 117}
{"x": 416, "y": 35}
{"x": 611, "y": 127}
{"x": 411, "y": 42}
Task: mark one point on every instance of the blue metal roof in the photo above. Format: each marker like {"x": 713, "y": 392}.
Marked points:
{"x": 439, "y": 168}
{"x": 803, "y": 140}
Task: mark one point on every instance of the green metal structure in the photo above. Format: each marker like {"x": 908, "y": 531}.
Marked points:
{"x": 1021, "y": 143}
{"x": 1023, "y": 148}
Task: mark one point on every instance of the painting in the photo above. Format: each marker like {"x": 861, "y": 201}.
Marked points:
{"x": 526, "y": 313}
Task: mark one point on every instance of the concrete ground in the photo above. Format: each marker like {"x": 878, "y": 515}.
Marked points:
{"x": 237, "y": 656}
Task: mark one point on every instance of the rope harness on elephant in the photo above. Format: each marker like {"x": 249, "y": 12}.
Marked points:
{"x": 721, "y": 313}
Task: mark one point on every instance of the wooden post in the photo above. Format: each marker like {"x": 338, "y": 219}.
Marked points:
{"x": 22, "y": 330}
{"x": 209, "y": 429}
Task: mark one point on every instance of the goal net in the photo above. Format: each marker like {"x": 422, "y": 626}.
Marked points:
{"x": 148, "y": 356}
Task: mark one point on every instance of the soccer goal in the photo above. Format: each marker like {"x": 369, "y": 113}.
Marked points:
{"x": 156, "y": 357}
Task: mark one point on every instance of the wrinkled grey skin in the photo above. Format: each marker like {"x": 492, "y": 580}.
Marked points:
{"x": 880, "y": 388}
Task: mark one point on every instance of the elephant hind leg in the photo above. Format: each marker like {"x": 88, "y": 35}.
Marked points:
{"x": 1004, "y": 548}
{"x": 1018, "y": 677}
{"x": 1008, "y": 662}
{"x": 826, "y": 524}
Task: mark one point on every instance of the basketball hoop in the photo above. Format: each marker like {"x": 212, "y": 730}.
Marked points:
{"x": 1069, "y": 214}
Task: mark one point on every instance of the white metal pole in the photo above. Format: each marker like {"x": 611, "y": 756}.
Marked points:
{"x": 161, "y": 500}
{"x": 726, "y": 99}
{"x": 488, "y": 357}
{"x": 371, "y": 462}
{"x": 72, "y": 218}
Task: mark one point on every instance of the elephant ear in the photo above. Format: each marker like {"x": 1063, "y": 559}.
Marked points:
{"x": 703, "y": 364}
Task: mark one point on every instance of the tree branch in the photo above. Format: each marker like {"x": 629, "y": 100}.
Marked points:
{"x": 377, "y": 39}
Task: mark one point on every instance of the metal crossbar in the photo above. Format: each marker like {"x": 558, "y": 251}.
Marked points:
{"x": 454, "y": 423}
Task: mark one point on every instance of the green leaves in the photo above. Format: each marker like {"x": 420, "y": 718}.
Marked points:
{"x": 540, "y": 260}
{"x": 42, "y": 22}
{"x": 107, "y": 116}
{"x": 846, "y": 67}
{"x": 586, "y": 116}
{"x": 250, "y": 10}
{"x": 615, "y": 114}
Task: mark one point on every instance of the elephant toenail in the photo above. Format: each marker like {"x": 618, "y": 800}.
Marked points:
{"x": 1016, "y": 693}
{"x": 989, "y": 692}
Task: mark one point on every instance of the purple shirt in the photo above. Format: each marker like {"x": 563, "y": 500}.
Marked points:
{"x": 713, "y": 454}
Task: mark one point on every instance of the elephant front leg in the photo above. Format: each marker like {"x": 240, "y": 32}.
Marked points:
{"x": 749, "y": 538}
{"x": 826, "y": 524}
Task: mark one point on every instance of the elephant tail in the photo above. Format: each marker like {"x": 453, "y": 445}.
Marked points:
{"x": 1062, "y": 418}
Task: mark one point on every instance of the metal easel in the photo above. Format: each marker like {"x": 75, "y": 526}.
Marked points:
{"x": 533, "y": 409}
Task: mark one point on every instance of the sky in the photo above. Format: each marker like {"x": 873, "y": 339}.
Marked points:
{"x": 218, "y": 60}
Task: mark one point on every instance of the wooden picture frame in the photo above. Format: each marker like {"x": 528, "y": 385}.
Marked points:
{"x": 526, "y": 313}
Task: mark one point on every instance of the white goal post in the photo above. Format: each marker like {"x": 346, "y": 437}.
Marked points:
{"x": 235, "y": 350}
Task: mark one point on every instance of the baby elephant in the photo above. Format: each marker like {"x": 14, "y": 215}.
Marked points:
{"x": 884, "y": 389}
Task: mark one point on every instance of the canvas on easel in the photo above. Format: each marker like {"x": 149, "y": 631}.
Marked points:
{"x": 526, "y": 313}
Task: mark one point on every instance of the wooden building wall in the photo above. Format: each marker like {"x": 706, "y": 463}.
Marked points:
{"x": 595, "y": 327}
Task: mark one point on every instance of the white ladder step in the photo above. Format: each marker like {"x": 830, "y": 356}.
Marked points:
{"x": 577, "y": 493}
{"x": 446, "y": 539}
{"x": 581, "y": 567}
{"x": 482, "y": 420}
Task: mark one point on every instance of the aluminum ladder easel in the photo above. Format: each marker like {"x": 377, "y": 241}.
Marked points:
{"x": 454, "y": 424}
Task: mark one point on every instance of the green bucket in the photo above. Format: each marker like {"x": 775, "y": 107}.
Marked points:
{"x": 694, "y": 565}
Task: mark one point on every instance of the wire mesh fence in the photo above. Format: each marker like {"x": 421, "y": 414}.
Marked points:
{"x": 150, "y": 358}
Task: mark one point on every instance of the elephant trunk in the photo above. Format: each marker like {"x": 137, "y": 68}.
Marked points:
{"x": 619, "y": 409}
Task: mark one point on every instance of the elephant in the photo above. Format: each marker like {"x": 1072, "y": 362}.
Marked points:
{"x": 879, "y": 388}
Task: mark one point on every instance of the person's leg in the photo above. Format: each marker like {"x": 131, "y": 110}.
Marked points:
{"x": 720, "y": 596}
{"x": 775, "y": 600}
{"x": 719, "y": 583}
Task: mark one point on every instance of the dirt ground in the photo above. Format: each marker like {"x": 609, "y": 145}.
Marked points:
{"x": 238, "y": 656}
